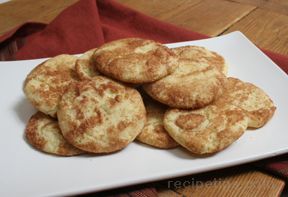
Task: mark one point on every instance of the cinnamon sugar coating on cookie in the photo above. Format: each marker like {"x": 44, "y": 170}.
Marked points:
{"x": 194, "y": 84}
{"x": 206, "y": 130}
{"x": 43, "y": 133}
{"x": 154, "y": 133}
{"x": 101, "y": 115}
{"x": 199, "y": 54}
{"x": 257, "y": 105}
{"x": 85, "y": 66}
{"x": 135, "y": 60}
{"x": 46, "y": 83}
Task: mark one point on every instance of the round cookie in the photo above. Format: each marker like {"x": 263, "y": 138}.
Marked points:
{"x": 192, "y": 85}
{"x": 250, "y": 98}
{"x": 206, "y": 130}
{"x": 46, "y": 83}
{"x": 101, "y": 115}
{"x": 154, "y": 133}
{"x": 199, "y": 54}
{"x": 135, "y": 60}
{"x": 43, "y": 133}
{"x": 85, "y": 66}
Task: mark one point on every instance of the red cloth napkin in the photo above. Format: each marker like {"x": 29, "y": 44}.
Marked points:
{"x": 90, "y": 23}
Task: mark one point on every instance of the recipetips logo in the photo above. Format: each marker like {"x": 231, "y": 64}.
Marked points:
{"x": 177, "y": 184}
{"x": 228, "y": 184}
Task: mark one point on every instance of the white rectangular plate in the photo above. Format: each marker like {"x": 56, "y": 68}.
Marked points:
{"x": 27, "y": 172}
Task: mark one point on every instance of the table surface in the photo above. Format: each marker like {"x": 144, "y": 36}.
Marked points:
{"x": 265, "y": 22}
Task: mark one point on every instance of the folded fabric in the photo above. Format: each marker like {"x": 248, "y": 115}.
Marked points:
{"x": 89, "y": 24}
{"x": 94, "y": 23}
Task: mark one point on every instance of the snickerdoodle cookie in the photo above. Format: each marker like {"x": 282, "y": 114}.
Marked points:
{"x": 206, "y": 130}
{"x": 43, "y": 133}
{"x": 199, "y": 54}
{"x": 46, "y": 83}
{"x": 194, "y": 84}
{"x": 85, "y": 66}
{"x": 254, "y": 101}
{"x": 135, "y": 60}
{"x": 154, "y": 133}
{"x": 101, "y": 115}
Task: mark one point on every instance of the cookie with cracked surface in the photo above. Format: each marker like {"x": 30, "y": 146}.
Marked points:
{"x": 253, "y": 100}
{"x": 101, "y": 115}
{"x": 154, "y": 133}
{"x": 46, "y": 83}
{"x": 192, "y": 85}
{"x": 199, "y": 54}
{"x": 135, "y": 60}
{"x": 85, "y": 66}
{"x": 43, "y": 133}
{"x": 206, "y": 130}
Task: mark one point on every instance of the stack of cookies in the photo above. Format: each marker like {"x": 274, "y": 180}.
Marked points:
{"x": 139, "y": 89}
